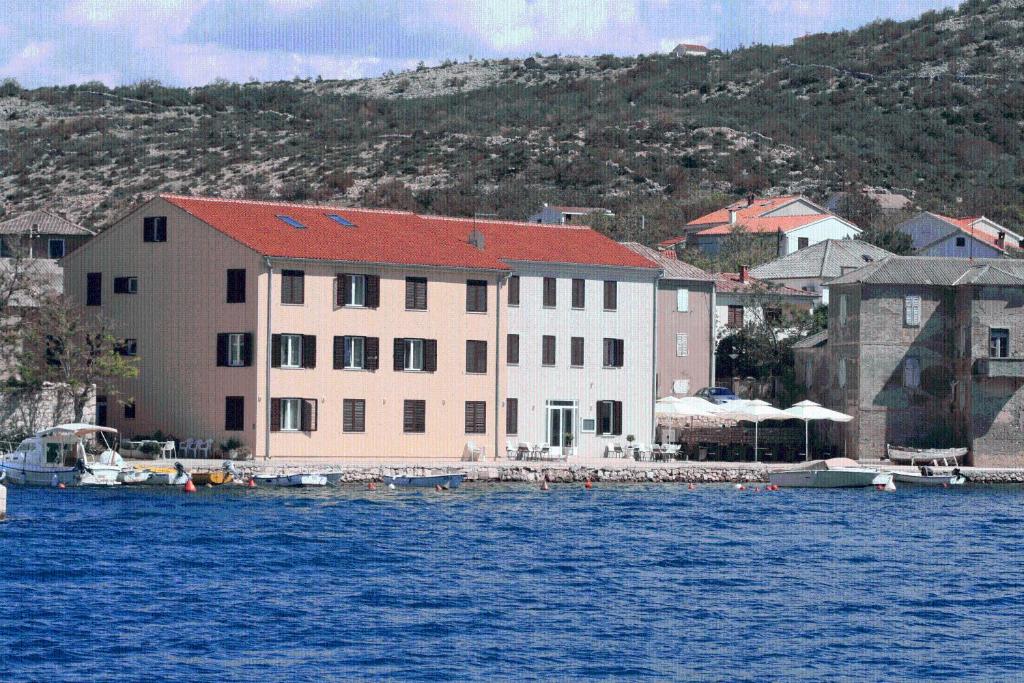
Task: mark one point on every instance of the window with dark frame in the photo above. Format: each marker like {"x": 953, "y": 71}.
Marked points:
{"x": 576, "y": 352}
{"x": 547, "y": 350}
{"x": 961, "y": 241}
{"x": 999, "y": 343}
{"x": 579, "y": 293}
{"x": 772, "y": 314}
{"x": 476, "y": 417}
{"x": 353, "y": 415}
{"x": 550, "y": 292}
{"x": 416, "y": 293}
{"x": 802, "y": 242}
{"x": 609, "y": 418}
{"x": 234, "y": 349}
{"x": 128, "y": 284}
{"x": 614, "y": 353}
{"x": 293, "y": 287}
{"x": 512, "y": 416}
{"x": 154, "y": 229}
{"x": 513, "y": 290}
{"x": 234, "y": 413}
{"x": 357, "y": 290}
{"x": 129, "y": 410}
{"x": 611, "y": 295}
{"x": 55, "y": 248}
{"x": 476, "y": 296}
{"x": 735, "y": 319}
{"x": 414, "y": 416}
{"x": 476, "y": 356}
{"x": 236, "y": 286}
{"x": 512, "y": 350}
{"x": 128, "y": 347}
{"x": 94, "y": 289}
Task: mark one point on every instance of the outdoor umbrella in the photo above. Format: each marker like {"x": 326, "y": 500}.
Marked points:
{"x": 809, "y": 410}
{"x": 755, "y": 411}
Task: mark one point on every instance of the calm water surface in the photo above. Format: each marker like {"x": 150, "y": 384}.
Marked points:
{"x": 485, "y": 583}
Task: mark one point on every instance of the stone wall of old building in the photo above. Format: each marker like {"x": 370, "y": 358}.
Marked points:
{"x": 25, "y": 411}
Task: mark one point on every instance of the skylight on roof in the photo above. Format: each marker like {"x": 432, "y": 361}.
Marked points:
{"x": 290, "y": 221}
{"x": 341, "y": 220}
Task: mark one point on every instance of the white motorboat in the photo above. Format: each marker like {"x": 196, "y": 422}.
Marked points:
{"x": 58, "y": 456}
{"x": 292, "y": 480}
{"x": 166, "y": 476}
{"x": 834, "y": 473}
{"x": 927, "y": 477}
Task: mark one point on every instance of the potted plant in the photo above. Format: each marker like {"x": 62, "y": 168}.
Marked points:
{"x": 629, "y": 440}
{"x": 231, "y": 448}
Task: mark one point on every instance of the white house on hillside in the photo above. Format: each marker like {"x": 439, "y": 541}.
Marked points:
{"x": 559, "y": 215}
{"x": 973, "y": 237}
{"x": 689, "y": 50}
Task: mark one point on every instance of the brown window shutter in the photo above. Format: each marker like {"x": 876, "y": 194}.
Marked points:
{"x": 512, "y": 356}
{"x": 513, "y": 290}
{"x": 617, "y": 418}
{"x": 309, "y": 414}
{"x": 275, "y": 414}
{"x": 340, "y": 287}
{"x": 620, "y": 352}
{"x": 339, "y": 353}
{"x": 309, "y": 351}
{"x": 579, "y": 296}
{"x": 348, "y": 415}
{"x": 421, "y": 294}
{"x": 548, "y": 350}
{"x": 372, "y": 291}
{"x": 602, "y": 417}
{"x": 359, "y": 415}
{"x": 371, "y": 350}
{"x": 512, "y": 416}
{"x": 234, "y": 413}
{"x": 222, "y": 349}
{"x": 610, "y": 295}
{"x": 550, "y": 292}
{"x": 410, "y": 293}
{"x": 577, "y": 351}
{"x": 476, "y": 417}
{"x": 399, "y": 365}
{"x": 430, "y": 355}
{"x": 275, "y": 350}
{"x": 607, "y": 361}
{"x": 247, "y": 349}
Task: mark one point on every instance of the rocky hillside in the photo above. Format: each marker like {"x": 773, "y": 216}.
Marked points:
{"x": 929, "y": 107}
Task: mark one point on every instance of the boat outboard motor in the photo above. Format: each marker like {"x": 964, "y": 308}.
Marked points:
{"x": 229, "y": 468}
{"x": 82, "y": 467}
{"x": 180, "y": 470}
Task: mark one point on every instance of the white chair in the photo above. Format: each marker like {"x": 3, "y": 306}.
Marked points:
{"x": 523, "y": 451}
{"x": 672, "y": 451}
{"x": 642, "y": 451}
{"x": 167, "y": 451}
{"x": 204, "y": 448}
{"x": 473, "y": 452}
{"x": 188, "y": 449}
{"x": 510, "y": 450}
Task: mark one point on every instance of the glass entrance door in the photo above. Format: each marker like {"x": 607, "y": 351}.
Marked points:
{"x": 561, "y": 428}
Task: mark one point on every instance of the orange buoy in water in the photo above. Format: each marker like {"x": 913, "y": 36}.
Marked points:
{"x": 437, "y": 487}
{"x": 189, "y": 487}
{"x": 371, "y": 486}
{"x": 60, "y": 485}
{"x": 252, "y": 482}
{"x": 690, "y": 487}
{"x": 587, "y": 485}
{"x": 544, "y": 486}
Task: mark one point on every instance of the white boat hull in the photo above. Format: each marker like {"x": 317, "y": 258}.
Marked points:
{"x": 166, "y": 479}
{"x": 293, "y": 480}
{"x": 843, "y": 478}
{"x": 914, "y": 479}
{"x": 34, "y": 475}
{"x": 101, "y": 475}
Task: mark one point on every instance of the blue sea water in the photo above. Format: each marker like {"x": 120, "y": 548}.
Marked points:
{"x": 509, "y": 583}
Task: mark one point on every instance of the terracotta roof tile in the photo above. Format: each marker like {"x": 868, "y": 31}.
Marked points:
{"x": 730, "y": 282}
{"x": 769, "y": 224}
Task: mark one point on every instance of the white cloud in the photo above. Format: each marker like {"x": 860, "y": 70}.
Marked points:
{"x": 198, "y": 64}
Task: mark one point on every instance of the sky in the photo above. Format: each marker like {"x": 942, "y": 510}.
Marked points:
{"x": 193, "y": 42}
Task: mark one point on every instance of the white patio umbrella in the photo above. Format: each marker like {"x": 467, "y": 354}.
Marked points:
{"x": 755, "y": 411}
{"x": 809, "y": 410}
{"x": 688, "y": 406}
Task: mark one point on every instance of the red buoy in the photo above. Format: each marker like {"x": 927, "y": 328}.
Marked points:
{"x": 544, "y": 485}
{"x": 371, "y": 486}
{"x": 690, "y": 487}
{"x": 437, "y": 487}
{"x": 189, "y": 487}
{"x": 252, "y": 482}
{"x": 587, "y": 485}
{"x": 61, "y": 485}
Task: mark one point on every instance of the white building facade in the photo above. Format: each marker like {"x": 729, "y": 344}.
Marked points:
{"x": 580, "y": 356}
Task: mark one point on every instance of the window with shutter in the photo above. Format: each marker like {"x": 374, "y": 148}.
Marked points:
{"x": 308, "y": 351}
{"x": 512, "y": 415}
{"x": 129, "y": 347}
{"x": 576, "y": 352}
{"x": 579, "y": 293}
{"x": 94, "y": 289}
{"x": 353, "y": 353}
{"x": 611, "y": 295}
{"x": 275, "y": 414}
{"x": 476, "y": 356}
{"x": 609, "y": 418}
{"x": 476, "y": 296}
{"x": 547, "y": 350}
{"x": 999, "y": 342}
{"x": 416, "y": 293}
{"x": 353, "y": 415}
{"x": 683, "y": 300}
{"x": 512, "y": 350}
{"x": 293, "y": 287}
{"x": 126, "y": 285}
{"x": 911, "y": 372}
{"x": 912, "y": 310}
{"x": 735, "y": 319}
{"x": 372, "y": 347}
{"x": 154, "y": 229}
{"x": 234, "y": 413}
{"x": 414, "y": 413}
{"x": 352, "y": 290}
{"x": 236, "y": 286}
{"x": 291, "y": 348}
{"x": 550, "y": 292}
{"x": 613, "y": 353}
{"x": 129, "y": 410}
{"x": 291, "y": 414}
{"x": 309, "y": 414}
{"x": 476, "y": 417}
{"x": 513, "y": 290}
{"x": 682, "y": 345}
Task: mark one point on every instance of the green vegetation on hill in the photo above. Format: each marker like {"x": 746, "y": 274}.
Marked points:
{"x": 929, "y": 107}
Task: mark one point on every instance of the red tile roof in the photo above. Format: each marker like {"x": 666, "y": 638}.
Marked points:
{"x": 759, "y": 207}
{"x": 980, "y": 233}
{"x": 400, "y": 237}
{"x": 763, "y": 225}
{"x": 673, "y": 241}
{"x": 730, "y": 282}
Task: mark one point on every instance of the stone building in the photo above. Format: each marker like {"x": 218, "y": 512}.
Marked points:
{"x": 925, "y": 352}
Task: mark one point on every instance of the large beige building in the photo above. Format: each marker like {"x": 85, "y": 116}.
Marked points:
{"x": 311, "y": 331}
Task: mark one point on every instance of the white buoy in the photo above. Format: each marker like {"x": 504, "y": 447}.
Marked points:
{"x": 391, "y": 487}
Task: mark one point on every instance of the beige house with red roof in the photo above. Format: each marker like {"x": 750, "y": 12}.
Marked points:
{"x": 741, "y": 299}
{"x": 321, "y": 332}
{"x": 792, "y": 221}
{"x": 933, "y": 234}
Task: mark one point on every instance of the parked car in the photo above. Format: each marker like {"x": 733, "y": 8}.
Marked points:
{"x": 717, "y": 394}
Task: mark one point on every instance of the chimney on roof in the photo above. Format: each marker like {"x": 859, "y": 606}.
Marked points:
{"x": 670, "y": 254}
{"x": 1001, "y": 240}
{"x": 750, "y": 199}
{"x": 476, "y": 238}
{"x": 732, "y": 216}
{"x": 744, "y": 273}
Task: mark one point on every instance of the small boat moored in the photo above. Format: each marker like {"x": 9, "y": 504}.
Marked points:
{"x": 58, "y": 455}
{"x": 225, "y": 475}
{"x": 925, "y": 456}
{"x": 301, "y": 479}
{"x": 927, "y": 477}
{"x": 448, "y": 480}
{"x": 834, "y": 473}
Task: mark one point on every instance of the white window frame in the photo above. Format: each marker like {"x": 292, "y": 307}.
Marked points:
{"x": 355, "y": 296}
{"x": 355, "y": 353}
{"x": 611, "y": 419}
{"x": 410, "y": 348}
{"x": 63, "y": 247}
{"x": 291, "y": 345}
{"x": 236, "y": 349}
{"x": 682, "y": 345}
{"x": 291, "y": 414}
{"x": 912, "y": 310}
{"x": 991, "y": 346}
{"x": 683, "y": 300}
{"x": 912, "y": 372}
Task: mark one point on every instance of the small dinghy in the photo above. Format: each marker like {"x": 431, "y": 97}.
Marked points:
{"x": 131, "y": 475}
{"x": 333, "y": 478}
{"x": 166, "y": 476}
{"x": 925, "y": 456}
{"x": 301, "y": 479}
{"x": 927, "y": 477}
{"x": 834, "y": 473}
{"x": 450, "y": 480}
{"x": 225, "y": 475}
